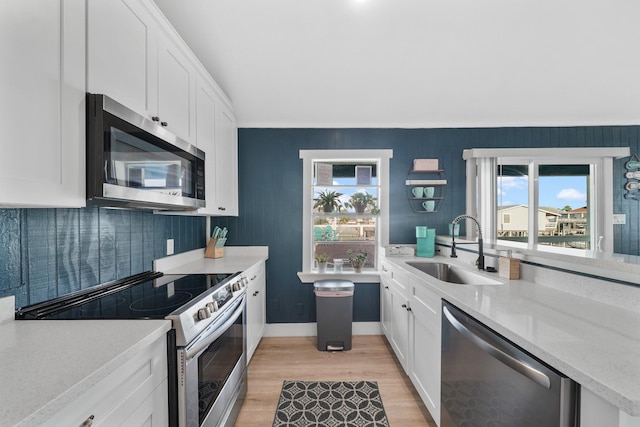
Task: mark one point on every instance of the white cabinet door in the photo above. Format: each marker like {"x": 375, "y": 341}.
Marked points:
{"x": 394, "y": 313}
{"x": 225, "y": 200}
{"x": 122, "y": 64}
{"x": 134, "y": 60}
{"x": 176, "y": 90}
{"x": 42, "y": 82}
{"x": 206, "y": 104}
{"x": 385, "y": 301}
{"x": 400, "y": 316}
{"x": 256, "y": 307}
{"x": 135, "y": 394}
{"x": 400, "y": 327}
{"x": 424, "y": 345}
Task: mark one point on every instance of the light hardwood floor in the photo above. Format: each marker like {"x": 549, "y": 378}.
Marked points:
{"x": 297, "y": 358}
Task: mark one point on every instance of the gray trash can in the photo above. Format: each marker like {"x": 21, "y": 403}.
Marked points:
{"x": 334, "y": 314}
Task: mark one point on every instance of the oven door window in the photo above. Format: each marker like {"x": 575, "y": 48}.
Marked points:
{"x": 215, "y": 365}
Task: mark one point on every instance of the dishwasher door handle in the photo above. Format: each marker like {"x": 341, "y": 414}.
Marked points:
{"x": 494, "y": 350}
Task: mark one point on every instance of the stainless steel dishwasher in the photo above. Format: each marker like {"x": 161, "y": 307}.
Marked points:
{"x": 489, "y": 381}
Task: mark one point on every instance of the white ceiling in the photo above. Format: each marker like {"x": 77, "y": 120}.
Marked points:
{"x": 419, "y": 63}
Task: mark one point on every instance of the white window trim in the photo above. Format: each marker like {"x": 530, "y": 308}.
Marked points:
{"x": 481, "y": 174}
{"x": 308, "y": 157}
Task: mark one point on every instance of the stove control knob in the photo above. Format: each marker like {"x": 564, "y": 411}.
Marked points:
{"x": 204, "y": 313}
{"x": 212, "y": 306}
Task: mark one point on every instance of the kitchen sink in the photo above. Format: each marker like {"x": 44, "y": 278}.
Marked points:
{"x": 452, "y": 274}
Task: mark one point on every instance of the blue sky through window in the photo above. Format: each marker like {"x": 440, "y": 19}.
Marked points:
{"x": 554, "y": 191}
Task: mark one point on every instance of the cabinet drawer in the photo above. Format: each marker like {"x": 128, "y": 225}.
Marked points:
{"x": 254, "y": 272}
{"x": 119, "y": 394}
{"x": 425, "y": 300}
{"x": 400, "y": 280}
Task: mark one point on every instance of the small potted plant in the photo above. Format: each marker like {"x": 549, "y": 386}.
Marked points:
{"x": 328, "y": 201}
{"x": 361, "y": 201}
{"x": 357, "y": 259}
{"x": 321, "y": 262}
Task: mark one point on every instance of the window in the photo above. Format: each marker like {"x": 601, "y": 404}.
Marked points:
{"x": 561, "y": 188}
{"x": 346, "y": 205}
{"x": 549, "y": 200}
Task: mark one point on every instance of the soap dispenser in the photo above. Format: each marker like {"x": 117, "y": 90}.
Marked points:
{"x": 425, "y": 242}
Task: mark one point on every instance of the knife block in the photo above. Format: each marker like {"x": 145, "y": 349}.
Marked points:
{"x": 212, "y": 250}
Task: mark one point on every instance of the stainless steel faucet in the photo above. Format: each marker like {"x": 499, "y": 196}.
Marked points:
{"x": 480, "y": 261}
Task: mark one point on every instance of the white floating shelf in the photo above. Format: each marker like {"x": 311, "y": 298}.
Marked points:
{"x": 426, "y": 182}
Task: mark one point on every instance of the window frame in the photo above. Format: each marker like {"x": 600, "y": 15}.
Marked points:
{"x": 382, "y": 158}
{"x": 481, "y": 197}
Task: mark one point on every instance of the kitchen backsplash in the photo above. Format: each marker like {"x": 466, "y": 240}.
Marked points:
{"x": 45, "y": 253}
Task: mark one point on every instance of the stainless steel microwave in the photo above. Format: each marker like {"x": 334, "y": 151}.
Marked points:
{"x": 134, "y": 162}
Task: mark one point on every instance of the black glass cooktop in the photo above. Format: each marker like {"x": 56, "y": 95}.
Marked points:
{"x": 145, "y": 296}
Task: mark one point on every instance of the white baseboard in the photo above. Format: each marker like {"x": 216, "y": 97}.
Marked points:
{"x": 310, "y": 329}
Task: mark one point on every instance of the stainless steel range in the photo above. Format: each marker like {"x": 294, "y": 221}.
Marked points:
{"x": 207, "y": 343}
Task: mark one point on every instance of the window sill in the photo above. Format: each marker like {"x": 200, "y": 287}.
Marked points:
{"x": 371, "y": 276}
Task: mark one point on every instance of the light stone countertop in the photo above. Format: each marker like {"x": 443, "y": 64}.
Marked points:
{"x": 235, "y": 259}
{"x": 46, "y": 364}
{"x": 595, "y": 344}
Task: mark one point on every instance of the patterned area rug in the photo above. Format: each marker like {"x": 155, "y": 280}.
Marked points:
{"x": 330, "y": 404}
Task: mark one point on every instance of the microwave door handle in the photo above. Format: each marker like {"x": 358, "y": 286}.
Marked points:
{"x": 493, "y": 349}
{"x": 204, "y": 342}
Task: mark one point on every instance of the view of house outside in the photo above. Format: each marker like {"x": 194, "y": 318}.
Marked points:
{"x": 563, "y": 200}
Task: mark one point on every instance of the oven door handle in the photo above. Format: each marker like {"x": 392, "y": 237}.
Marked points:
{"x": 205, "y": 341}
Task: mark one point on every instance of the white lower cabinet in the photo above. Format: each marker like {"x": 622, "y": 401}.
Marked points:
{"x": 400, "y": 326}
{"x": 256, "y": 307}
{"x": 424, "y": 345}
{"x": 135, "y": 394}
{"x": 385, "y": 300}
{"x": 410, "y": 319}
{"x": 396, "y": 312}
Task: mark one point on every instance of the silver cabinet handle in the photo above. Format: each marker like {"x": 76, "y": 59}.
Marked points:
{"x": 492, "y": 348}
{"x": 88, "y": 422}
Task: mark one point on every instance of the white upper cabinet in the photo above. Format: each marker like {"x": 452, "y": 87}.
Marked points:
{"x": 176, "y": 90}
{"x": 140, "y": 65}
{"x": 206, "y": 102}
{"x": 42, "y": 82}
{"x": 216, "y": 135}
{"x": 146, "y": 66}
{"x": 225, "y": 200}
{"x": 117, "y": 60}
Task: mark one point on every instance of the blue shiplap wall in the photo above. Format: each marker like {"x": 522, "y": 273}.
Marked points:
{"x": 271, "y": 194}
{"x": 45, "y": 253}
{"x": 50, "y": 252}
